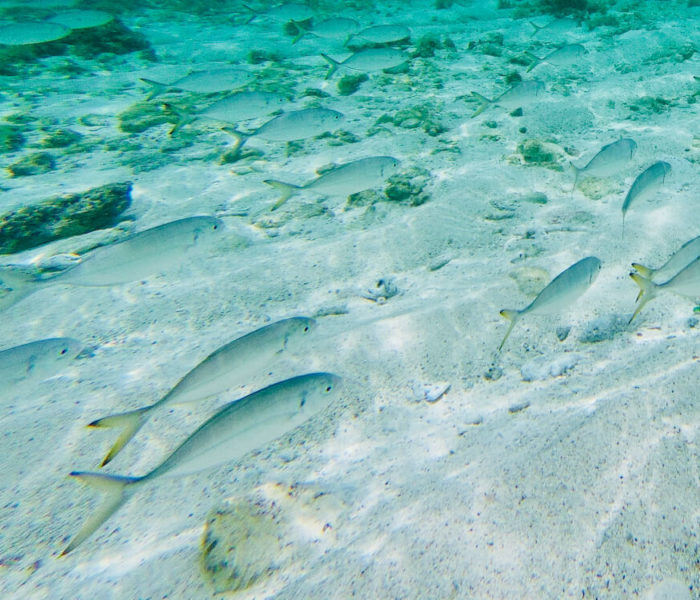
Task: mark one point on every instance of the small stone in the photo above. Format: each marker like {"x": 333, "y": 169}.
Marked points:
{"x": 563, "y": 332}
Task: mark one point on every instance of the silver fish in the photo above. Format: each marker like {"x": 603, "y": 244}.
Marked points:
{"x": 645, "y": 185}
{"x": 284, "y": 12}
{"x": 242, "y": 106}
{"x": 143, "y": 254}
{"x": 35, "y": 360}
{"x": 293, "y": 125}
{"x": 139, "y": 256}
{"x": 230, "y": 365}
{"x": 372, "y": 59}
{"x": 559, "y": 293}
{"x": 236, "y": 429}
{"x": 384, "y": 34}
{"x": 516, "y": 96}
{"x": 609, "y": 160}
{"x": 685, "y": 283}
{"x": 336, "y": 28}
{"x": 15, "y": 285}
{"x": 203, "y": 82}
{"x": 561, "y": 57}
{"x": 342, "y": 180}
{"x": 555, "y": 27}
{"x": 686, "y": 254}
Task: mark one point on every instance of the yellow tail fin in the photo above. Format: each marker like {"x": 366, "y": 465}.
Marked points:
{"x": 286, "y": 191}
{"x": 647, "y": 290}
{"x": 114, "y": 488}
{"x": 512, "y": 316}
{"x": 130, "y": 422}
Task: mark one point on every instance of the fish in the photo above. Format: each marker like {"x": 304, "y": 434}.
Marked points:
{"x": 684, "y": 283}
{"x": 142, "y": 254}
{"x": 555, "y": 27}
{"x": 335, "y": 28}
{"x": 686, "y": 254}
{"x": 559, "y": 293}
{"x": 289, "y": 126}
{"x": 202, "y": 82}
{"x": 37, "y": 32}
{"x": 561, "y": 57}
{"x": 243, "y": 106}
{"x": 15, "y": 284}
{"x": 342, "y": 180}
{"x": 38, "y": 359}
{"x": 384, "y": 34}
{"x": 82, "y": 19}
{"x": 645, "y": 185}
{"x": 516, "y": 96}
{"x": 609, "y": 160}
{"x": 224, "y": 368}
{"x": 139, "y": 256}
{"x": 372, "y": 59}
{"x": 236, "y": 429}
{"x": 283, "y": 12}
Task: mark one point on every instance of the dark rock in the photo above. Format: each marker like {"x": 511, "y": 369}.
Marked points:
{"x": 63, "y": 216}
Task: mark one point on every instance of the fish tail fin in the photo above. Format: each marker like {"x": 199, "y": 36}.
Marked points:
{"x": 535, "y": 61}
{"x": 129, "y": 422}
{"x": 536, "y": 27}
{"x": 645, "y": 272}
{"x": 647, "y": 290}
{"x": 333, "y": 65}
{"x": 576, "y": 171}
{"x": 301, "y": 31}
{"x": 157, "y": 88}
{"x": 15, "y": 285}
{"x": 241, "y": 138}
{"x": 182, "y": 117}
{"x": 114, "y": 487}
{"x": 286, "y": 190}
{"x": 512, "y": 316}
{"x": 254, "y": 13}
{"x": 485, "y": 102}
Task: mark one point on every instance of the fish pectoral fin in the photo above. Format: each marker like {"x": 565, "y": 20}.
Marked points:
{"x": 113, "y": 486}
{"x": 129, "y": 422}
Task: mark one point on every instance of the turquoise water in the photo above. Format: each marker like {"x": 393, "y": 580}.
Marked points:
{"x": 253, "y": 260}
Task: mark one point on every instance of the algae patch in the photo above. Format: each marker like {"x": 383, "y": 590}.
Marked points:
{"x": 63, "y": 216}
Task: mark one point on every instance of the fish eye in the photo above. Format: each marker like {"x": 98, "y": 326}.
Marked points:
{"x": 306, "y": 327}
{"x": 64, "y": 350}
{"x": 329, "y": 388}
{"x": 303, "y": 401}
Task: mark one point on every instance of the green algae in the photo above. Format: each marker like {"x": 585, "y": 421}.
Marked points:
{"x": 61, "y": 138}
{"x": 35, "y": 163}
{"x": 142, "y": 116}
{"x": 11, "y": 138}
{"x": 63, "y": 216}
{"x": 349, "y": 84}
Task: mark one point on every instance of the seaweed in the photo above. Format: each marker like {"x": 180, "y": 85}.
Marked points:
{"x": 63, "y": 216}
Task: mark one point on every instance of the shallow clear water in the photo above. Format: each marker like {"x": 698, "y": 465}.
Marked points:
{"x": 397, "y": 174}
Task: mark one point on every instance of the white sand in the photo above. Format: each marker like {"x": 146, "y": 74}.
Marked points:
{"x": 588, "y": 487}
